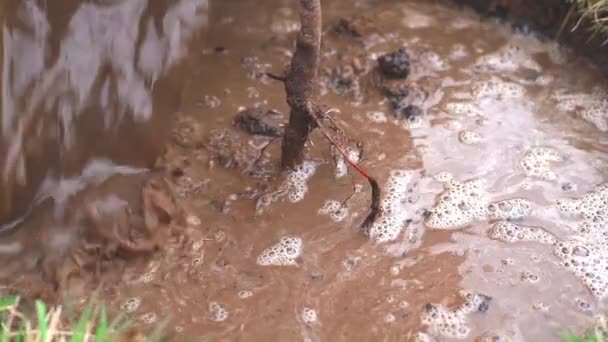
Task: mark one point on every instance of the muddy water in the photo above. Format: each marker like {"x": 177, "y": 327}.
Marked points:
{"x": 492, "y": 98}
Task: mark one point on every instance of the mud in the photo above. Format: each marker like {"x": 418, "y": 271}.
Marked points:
{"x": 502, "y": 129}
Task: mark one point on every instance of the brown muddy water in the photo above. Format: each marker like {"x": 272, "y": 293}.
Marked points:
{"x": 493, "y": 224}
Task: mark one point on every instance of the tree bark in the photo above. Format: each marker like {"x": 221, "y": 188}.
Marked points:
{"x": 300, "y": 83}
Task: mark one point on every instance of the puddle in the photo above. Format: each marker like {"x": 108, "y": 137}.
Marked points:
{"x": 490, "y": 156}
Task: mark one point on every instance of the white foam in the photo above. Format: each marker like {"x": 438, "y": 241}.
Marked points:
{"x": 470, "y": 137}
{"x": 309, "y": 316}
{"x": 283, "y": 253}
{"x": 378, "y": 117}
{"x": 586, "y": 252}
{"x": 591, "y": 107}
{"x": 537, "y": 162}
{"x": 336, "y": 211}
{"x": 509, "y": 232}
{"x": 218, "y": 312}
{"x": 131, "y": 304}
{"x": 461, "y": 203}
{"x": 508, "y": 58}
{"x": 498, "y": 89}
{"x": 445, "y": 323}
{"x": 443, "y": 177}
{"x": 297, "y": 180}
{"x": 509, "y": 209}
{"x": 389, "y": 223}
{"x": 462, "y": 108}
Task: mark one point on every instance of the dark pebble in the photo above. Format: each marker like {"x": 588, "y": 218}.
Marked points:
{"x": 485, "y": 303}
{"x": 395, "y": 64}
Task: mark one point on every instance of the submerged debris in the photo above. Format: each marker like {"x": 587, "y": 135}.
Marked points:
{"x": 395, "y": 64}
{"x": 260, "y": 122}
{"x": 357, "y": 26}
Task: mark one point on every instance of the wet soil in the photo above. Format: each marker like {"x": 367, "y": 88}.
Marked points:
{"x": 177, "y": 237}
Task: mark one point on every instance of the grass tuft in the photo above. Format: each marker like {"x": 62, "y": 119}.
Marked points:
{"x": 48, "y": 325}
{"x": 593, "y": 12}
{"x": 597, "y": 333}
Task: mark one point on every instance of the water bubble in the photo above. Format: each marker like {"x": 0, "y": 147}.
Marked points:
{"x": 131, "y": 304}
{"x": 309, "y": 316}
{"x": 218, "y": 312}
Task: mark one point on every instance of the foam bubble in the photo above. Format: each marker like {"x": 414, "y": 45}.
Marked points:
{"x": 498, "y": 89}
{"x": 529, "y": 277}
{"x": 193, "y": 220}
{"x": 147, "y": 277}
{"x": 508, "y": 58}
{"x": 309, "y": 316}
{"x": 597, "y": 114}
{"x": 443, "y": 177}
{"x": 509, "y": 209}
{"x": 433, "y": 61}
{"x": 462, "y": 108}
{"x": 452, "y": 125}
{"x": 297, "y": 180}
{"x": 470, "y": 137}
{"x": 218, "y": 312}
{"x": 497, "y": 336}
{"x": 540, "y": 306}
{"x": 336, "y": 211}
{"x": 537, "y": 162}
{"x": 583, "y": 305}
{"x": 459, "y": 51}
{"x": 389, "y": 318}
{"x": 423, "y": 337}
{"x": 446, "y": 323}
{"x": 131, "y": 304}
{"x": 585, "y": 253}
{"x": 378, "y": 117}
{"x": 588, "y": 260}
{"x": 459, "y": 204}
{"x": 148, "y": 318}
{"x": 389, "y": 223}
{"x": 509, "y": 232}
{"x": 245, "y": 294}
{"x": 591, "y": 107}
{"x": 284, "y": 253}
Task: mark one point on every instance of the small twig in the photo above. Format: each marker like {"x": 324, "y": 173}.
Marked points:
{"x": 275, "y": 77}
{"x": 343, "y": 204}
{"x": 260, "y": 155}
{"x": 375, "y": 205}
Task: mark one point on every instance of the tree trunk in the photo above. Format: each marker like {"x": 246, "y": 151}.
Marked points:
{"x": 300, "y": 83}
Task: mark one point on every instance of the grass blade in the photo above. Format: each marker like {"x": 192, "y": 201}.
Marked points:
{"x": 4, "y": 332}
{"x": 80, "y": 331}
{"x": 22, "y": 332}
{"x": 42, "y": 323}
{"x": 7, "y": 302}
{"x": 101, "y": 333}
{"x": 157, "y": 333}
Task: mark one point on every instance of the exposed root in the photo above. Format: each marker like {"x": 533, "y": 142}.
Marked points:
{"x": 375, "y": 197}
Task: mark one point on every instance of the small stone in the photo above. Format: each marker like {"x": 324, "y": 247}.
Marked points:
{"x": 410, "y": 112}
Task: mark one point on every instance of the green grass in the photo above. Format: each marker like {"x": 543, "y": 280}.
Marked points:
{"x": 597, "y": 333}
{"x": 591, "y": 12}
{"x": 51, "y": 324}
